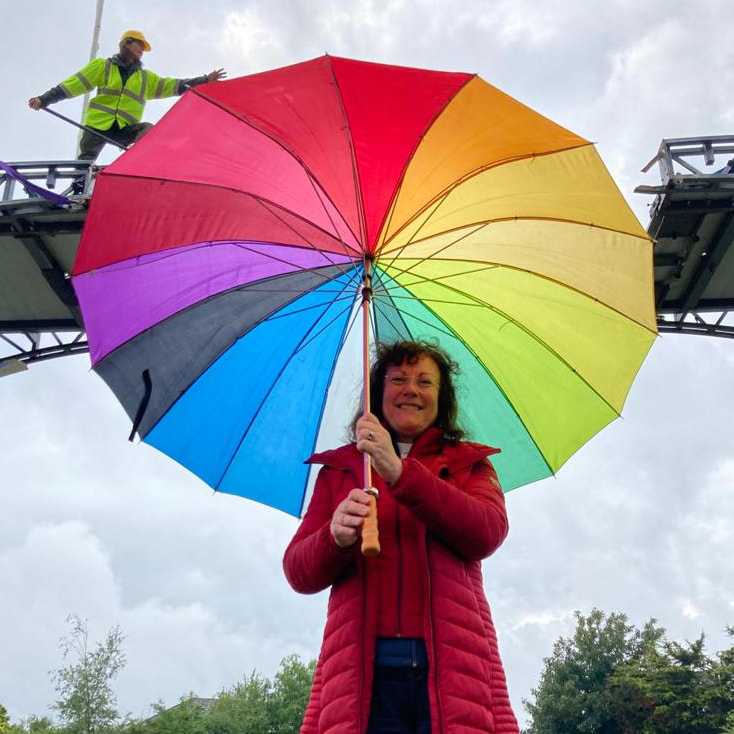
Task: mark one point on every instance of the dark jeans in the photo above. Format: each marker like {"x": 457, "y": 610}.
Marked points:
{"x": 400, "y": 702}
{"x": 400, "y": 691}
{"x": 90, "y": 145}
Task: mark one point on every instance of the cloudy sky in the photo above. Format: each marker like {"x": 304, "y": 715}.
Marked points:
{"x": 639, "y": 521}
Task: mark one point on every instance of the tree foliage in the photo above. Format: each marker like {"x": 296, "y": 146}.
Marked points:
{"x": 34, "y": 725}
{"x": 611, "y": 678}
{"x": 290, "y": 693}
{"x": 256, "y": 705}
{"x": 86, "y": 703}
{"x": 187, "y": 717}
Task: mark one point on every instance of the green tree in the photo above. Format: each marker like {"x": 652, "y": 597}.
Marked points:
{"x": 572, "y": 696}
{"x": 292, "y": 686}
{"x": 4, "y": 719}
{"x": 243, "y": 708}
{"x": 264, "y": 706}
{"x": 610, "y": 678}
{"x": 186, "y": 717}
{"x": 724, "y": 678}
{"x": 86, "y": 703}
{"x": 256, "y": 705}
{"x": 34, "y": 725}
{"x": 679, "y": 689}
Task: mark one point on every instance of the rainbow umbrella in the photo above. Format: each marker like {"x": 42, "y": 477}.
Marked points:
{"x": 233, "y": 257}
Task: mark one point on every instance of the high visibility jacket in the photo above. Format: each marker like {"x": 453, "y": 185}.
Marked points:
{"x": 115, "y": 101}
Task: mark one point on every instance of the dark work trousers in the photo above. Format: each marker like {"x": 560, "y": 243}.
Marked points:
{"x": 91, "y": 145}
{"x": 400, "y": 689}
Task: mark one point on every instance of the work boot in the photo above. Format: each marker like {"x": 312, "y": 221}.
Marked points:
{"x": 78, "y": 185}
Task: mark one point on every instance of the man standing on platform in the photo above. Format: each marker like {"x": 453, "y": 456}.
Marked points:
{"x": 123, "y": 87}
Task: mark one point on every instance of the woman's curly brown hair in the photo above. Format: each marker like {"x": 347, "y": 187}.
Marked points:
{"x": 395, "y": 353}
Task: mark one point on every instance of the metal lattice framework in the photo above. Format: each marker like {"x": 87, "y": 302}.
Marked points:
{"x": 692, "y": 225}
{"x": 39, "y": 235}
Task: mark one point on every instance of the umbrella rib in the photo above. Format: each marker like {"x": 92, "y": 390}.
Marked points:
{"x": 291, "y": 151}
{"x": 448, "y": 331}
{"x": 279, "y": 315}
{"x": 441, "y": 196}
{"x": 419, "y": 140}
{"x": 265, "y": 203}
{"x": 491, "y": 266}
{"x": 274, "y": 315}
{"x": 318, "y": 333}
{"x": 347, "y": 252}
{"x": 383, "y": 309}
{"x": 274, "y": 209}
{"x": 528, "y": 218}
{"x": 401, "y": 251}
{"x": 347, "y": 272}
{"x": 355, "y": 172}
{"x": 477, "y": 226}
{"x": 510, "y": 320}
{"x": 264, "y": 399}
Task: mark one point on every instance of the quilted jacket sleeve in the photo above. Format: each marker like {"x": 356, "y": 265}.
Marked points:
{"x": 464, "y": 509}
{"x": 313, "y": 560}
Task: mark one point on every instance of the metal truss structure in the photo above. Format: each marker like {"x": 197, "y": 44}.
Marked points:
{"x": 39, "y": 234}
{"x": 692, "y": 226}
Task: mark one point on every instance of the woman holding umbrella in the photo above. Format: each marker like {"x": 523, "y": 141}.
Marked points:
{"x": 409, "y": 644}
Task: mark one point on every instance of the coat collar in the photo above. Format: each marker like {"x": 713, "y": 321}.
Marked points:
{"x": 429, "y": 444}
{"x": 133, "y": 66}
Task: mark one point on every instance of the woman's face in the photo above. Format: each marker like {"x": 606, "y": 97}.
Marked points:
{"x": 410, "y": 397}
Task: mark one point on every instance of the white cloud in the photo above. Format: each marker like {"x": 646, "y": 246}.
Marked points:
{"x": 251, "y": 36}
{"x": 689, "y": 610}
{"x": 639, "y": 521}
{"x": 542, "y": 618}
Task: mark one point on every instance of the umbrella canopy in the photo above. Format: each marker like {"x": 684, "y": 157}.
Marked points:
{"x": 221, "y": 269}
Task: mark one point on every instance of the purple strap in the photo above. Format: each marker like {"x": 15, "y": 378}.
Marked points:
{"x": 32, "y": 189}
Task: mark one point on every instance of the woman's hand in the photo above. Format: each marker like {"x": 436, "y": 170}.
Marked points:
{"x": 347, "y": 520}
{"x": 374, "y": 439}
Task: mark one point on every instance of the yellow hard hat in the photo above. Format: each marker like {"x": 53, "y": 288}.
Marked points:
{"x": 138, "y": 36}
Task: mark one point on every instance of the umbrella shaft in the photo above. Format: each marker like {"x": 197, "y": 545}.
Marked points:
{"x": 366, "y": 300}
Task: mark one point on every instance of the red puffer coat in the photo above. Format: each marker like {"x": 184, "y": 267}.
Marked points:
{"x": 453, "y": 491}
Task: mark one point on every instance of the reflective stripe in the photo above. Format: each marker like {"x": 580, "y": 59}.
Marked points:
{"x": 127, "y": 93}
{"x": 143, "y": 85}
{"x": 103, "y": 108}
{"x": 119, "y": 112}
{"x": 113, "y": 100}
{"x": 132, "y": 119}
{"x": 84, "y": 81}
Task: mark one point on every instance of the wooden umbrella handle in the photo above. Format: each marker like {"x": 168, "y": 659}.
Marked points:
{"x": 370, "y": 533}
